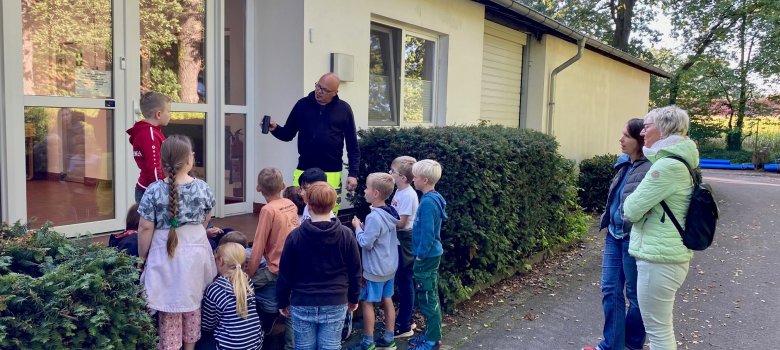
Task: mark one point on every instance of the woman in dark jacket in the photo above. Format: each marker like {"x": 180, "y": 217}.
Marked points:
{"x": 618, "y": 269}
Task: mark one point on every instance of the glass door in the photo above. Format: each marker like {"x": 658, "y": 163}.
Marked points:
{"x": 82, "y": 67}
{"x": 73, "y": 85}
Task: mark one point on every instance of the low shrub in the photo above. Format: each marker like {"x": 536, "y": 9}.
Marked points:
{"x": 509, "y": 195}
{"x": 57, "y": 293}
{"x": 595, "y": 176}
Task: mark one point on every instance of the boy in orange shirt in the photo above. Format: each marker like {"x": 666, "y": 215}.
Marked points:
{"x": 277, "y": 219}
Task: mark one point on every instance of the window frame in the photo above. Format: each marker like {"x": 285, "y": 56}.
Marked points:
{"x": 403, "y": 31}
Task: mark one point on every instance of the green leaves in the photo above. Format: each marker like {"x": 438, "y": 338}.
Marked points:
{"x": 57, "y": 293}
{"x": 509, "y": 195}
{"x": 595, "y": 176}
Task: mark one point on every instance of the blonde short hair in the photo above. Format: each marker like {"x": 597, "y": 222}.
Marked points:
{"x": 429, "y": 169}
{"x": 403, "y": 165}
{"x": 321, "y": 197}
{"x": 152, "y": 102}
{"x": 670, "y": 120}
{"x": 270, "y": 181}
{"x": 381, "y": 182}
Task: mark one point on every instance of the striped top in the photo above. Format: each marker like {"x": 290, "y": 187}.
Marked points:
{"x": 218, "y": 314}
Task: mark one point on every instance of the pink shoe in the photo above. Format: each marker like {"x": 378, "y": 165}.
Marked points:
{"x": 591, "y": 348}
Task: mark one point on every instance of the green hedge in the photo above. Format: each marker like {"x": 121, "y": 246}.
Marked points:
{"x": 595, "y": 175}
{"x": 57, "y": 293}
{"x": 509, "y": 195}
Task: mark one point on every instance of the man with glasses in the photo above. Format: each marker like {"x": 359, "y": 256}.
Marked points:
{"x": 323, "y": 123}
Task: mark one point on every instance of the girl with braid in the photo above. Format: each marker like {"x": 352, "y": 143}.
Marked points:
{"x": 179, "y": 262}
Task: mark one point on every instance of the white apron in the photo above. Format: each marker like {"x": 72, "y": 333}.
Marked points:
{"x": 177, "y": 284}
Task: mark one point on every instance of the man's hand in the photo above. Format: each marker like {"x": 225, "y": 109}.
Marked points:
{"x": 272, "y": 125}
{"x": 285, "y": 312}
{"x": 351, "y": 183}
{"x": 352, "y": 307}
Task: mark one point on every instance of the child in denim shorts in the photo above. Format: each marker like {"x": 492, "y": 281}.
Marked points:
{"x": 379, "y": 255}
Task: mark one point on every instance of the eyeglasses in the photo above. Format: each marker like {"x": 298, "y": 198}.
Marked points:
{"x": 647, "y": 126}
{"x": 319, "y": 87}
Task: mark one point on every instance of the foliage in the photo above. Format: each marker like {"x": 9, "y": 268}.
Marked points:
{"x": 595, "y": 176}
{"x": 62, "y": 45}
{"x": 736, "y": 157}
{"x": 61, "y": 294}
{"x": 604, "y": 20}
{"x": 509, "y": 195}
{"x": 703, "y": 130}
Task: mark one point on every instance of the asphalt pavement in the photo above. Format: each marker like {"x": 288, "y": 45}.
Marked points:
{"x": 730, "y": 299}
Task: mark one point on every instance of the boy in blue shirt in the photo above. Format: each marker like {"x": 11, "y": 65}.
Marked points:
{"x": 427, "y": 250}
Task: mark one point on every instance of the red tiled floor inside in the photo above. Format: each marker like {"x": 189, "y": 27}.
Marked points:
{"x": 66, "y": 203}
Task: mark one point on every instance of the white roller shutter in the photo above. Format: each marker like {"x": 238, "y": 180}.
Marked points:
{"x": 501, "y": 74}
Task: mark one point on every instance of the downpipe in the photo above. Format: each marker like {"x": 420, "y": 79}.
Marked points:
{"x": 553, "y": 74}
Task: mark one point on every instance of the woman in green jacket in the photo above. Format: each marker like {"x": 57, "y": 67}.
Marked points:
{"x": 662, "y": 259}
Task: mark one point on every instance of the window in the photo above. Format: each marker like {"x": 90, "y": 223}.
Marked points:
{"x": 402, "y": 77}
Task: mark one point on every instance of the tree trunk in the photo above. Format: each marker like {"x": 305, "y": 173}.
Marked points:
{"x": 190, "y": 50}
{"x": 734, "y": 140}
{"x": 624, "y": 13}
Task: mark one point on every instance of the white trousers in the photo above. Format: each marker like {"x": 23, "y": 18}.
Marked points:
{"x": 657, "y": 285}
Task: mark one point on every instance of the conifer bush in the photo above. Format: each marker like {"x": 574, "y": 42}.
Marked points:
{"x": 595, "y": 176}
{"x": 57, "y": 293}
{"x": 509, "y": 195}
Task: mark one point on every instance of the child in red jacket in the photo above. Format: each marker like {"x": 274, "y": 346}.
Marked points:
{"x": 146, "y": 137}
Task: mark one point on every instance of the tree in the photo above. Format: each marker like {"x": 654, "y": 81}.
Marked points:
{"x": 611, "y": 21}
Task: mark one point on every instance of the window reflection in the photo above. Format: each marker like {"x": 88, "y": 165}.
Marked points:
{"x": 383, "y": 76}
{"x": 69, "y": 158}
{"x": 418, "y": 79}
{"x": 235, "y": 52}
{"x": 67, "y": 48}
{"x": 235, "y": 160}
{"x": 192, "y": 125}
{"x": 173, "y": 39}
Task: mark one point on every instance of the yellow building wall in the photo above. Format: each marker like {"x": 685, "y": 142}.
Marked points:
{"x": 593, "y": 100}
{"x": 344, "y": 27}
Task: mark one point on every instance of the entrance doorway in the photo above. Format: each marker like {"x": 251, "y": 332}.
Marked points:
{"x": 84, "y": 65}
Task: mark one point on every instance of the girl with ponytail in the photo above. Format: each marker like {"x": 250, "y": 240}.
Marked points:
{"x": 229, "y": 303}
{"x": 178, "y": 260}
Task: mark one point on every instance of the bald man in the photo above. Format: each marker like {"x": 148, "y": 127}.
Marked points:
{"x": 323, "y": 123}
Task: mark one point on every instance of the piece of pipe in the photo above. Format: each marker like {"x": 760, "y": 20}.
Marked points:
{"x": 745, "y": 166}
{"x": 553, "y": 74}
{"x": 771, "y": 167}
{"x": 714, "y": 161}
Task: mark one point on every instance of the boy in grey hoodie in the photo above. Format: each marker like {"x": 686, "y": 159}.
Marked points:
{"x": 379, "y": 254}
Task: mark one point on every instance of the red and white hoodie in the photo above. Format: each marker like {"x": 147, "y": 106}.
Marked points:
{"x": 147, "y": 140}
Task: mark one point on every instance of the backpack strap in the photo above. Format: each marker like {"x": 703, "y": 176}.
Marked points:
{"x": 663, "y": 203}
{"x": 671, "y": 216}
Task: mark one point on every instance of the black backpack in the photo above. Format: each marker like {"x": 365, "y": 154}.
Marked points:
{"x": 702, "y": 214}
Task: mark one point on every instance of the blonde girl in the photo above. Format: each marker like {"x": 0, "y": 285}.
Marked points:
{"x": 179, "y": 262}
{"x": 229, "y": 303}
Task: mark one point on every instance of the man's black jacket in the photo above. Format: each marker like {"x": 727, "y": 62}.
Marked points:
{"x": 322, "y": 132}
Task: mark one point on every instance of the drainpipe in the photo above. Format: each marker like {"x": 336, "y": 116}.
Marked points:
{"x": 553, "y": 74}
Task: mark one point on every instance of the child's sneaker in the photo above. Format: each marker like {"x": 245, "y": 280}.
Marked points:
{"x": 363, "y": 346}
{"x": 346, "y": 332}
{"x": 403, "y": 333}
{"x": 591, "y": 348}
{"x": 417, "y": 340}
{"x": 381, "y": 344}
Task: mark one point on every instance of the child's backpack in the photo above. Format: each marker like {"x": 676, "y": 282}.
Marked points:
{"x": 702, "y": 214}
